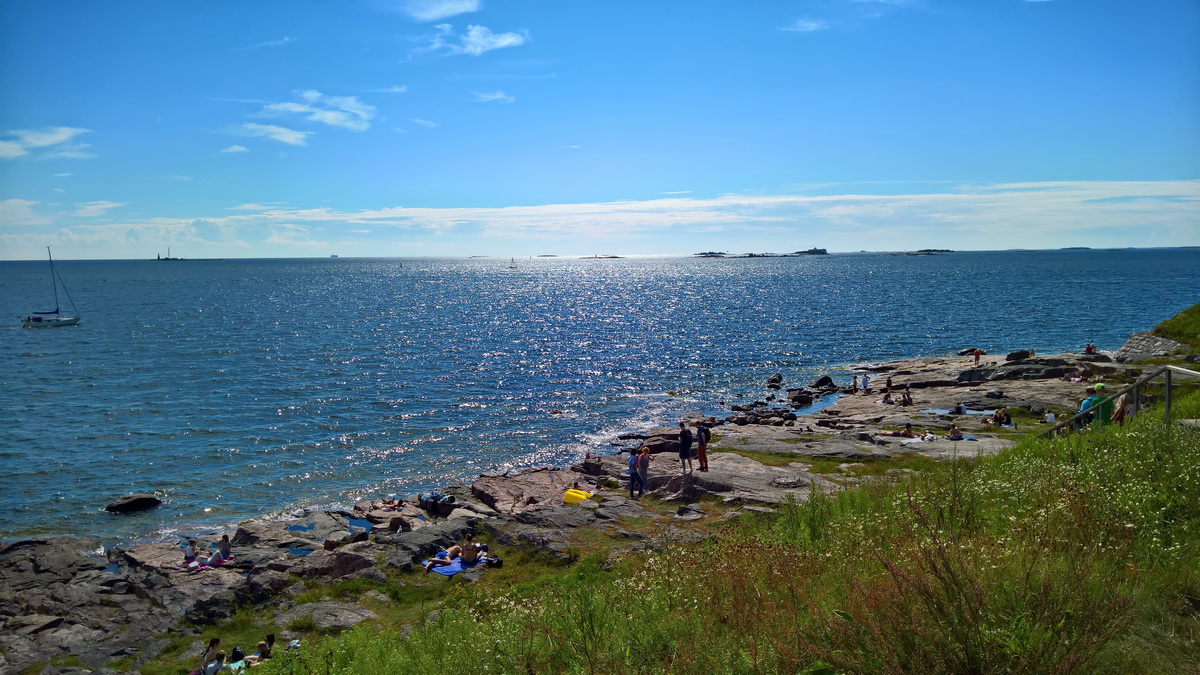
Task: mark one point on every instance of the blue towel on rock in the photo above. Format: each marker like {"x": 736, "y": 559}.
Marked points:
{"x": 455, "y": 566}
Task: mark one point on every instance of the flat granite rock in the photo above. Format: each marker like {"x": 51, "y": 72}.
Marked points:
{"x": 327, "y": 615}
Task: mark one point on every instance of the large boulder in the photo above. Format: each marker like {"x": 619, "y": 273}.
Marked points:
{"x": 514, "y": 493}
{"x": 309, "y": 526}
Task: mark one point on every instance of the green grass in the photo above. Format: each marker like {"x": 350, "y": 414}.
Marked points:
{"x": 1184, "y": 327}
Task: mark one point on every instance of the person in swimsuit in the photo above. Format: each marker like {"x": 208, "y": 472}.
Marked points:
{"x": 954, "y": 434}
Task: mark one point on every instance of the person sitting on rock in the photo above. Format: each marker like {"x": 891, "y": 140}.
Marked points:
{"x": 887, "y": 398}
{"x": 906, "y": 398}
{"x": 465, "y": 550}
{"x": 953, "y": 434}
{"x": 189, "y": 552}
{"x": 225, "y": 547}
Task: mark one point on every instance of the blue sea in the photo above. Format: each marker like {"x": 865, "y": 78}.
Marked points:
{"x": 241, "y": 388}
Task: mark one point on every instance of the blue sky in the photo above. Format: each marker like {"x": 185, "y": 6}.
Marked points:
{"x": 482, "y": 127}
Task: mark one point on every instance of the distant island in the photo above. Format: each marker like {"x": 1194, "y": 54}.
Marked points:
{"x": 797, "y": 254}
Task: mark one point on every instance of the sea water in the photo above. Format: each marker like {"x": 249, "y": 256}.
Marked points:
{"x": 241, "y": 388}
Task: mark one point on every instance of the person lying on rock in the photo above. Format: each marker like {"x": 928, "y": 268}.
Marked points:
{"x": 906, "y": 432}
{"x": 466, "y": 550}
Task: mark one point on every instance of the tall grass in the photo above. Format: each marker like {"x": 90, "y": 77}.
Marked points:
{"x": 1071, "y": 555}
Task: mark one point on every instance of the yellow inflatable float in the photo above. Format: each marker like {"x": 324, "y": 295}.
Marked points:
{"x": 575, "y": 496}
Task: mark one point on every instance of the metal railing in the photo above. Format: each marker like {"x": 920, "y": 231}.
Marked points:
{"x": 1163, "y": 371}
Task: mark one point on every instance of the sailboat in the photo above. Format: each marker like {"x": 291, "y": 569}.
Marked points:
{"x": 54, "y": 318}
{"x": 512, "y": 263}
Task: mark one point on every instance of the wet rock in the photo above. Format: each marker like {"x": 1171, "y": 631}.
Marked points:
{"x": 132, "y": 503}
{"x": 821, "y": 382}
{"x": 777, "y": 378}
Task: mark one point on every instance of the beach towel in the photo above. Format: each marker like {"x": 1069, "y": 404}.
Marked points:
{"x": 457, "y": 565}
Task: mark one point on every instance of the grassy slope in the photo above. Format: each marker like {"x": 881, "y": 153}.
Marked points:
{"x": 1183, "y": 327}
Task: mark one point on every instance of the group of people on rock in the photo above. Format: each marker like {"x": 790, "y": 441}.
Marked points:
{"x": 194, "y": 560}
{"x": 469, "y": 552}
{"x": 214, "y": 660}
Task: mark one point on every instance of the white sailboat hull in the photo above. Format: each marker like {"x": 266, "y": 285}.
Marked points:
{"x": 39, "y": 322}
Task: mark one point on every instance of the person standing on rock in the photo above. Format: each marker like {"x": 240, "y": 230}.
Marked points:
{"x": 635, "y": 476}
{"x": 866, "y": 383}
{"x": 703, "y": 436}
{"x": 643, "y": 465}
{"x": 854, "y": 385}
{"x": 685, "y": 447}
{"x": 977, "y": 354}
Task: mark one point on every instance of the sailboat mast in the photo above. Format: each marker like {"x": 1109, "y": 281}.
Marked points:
{"x": 53, "y": 279}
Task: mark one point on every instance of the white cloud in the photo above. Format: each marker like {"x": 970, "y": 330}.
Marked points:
{"x": 95, "y": 209}
{"x": 255, "y": 207}
{"x": 236, "y": 148}
{"x": 477, "y": 40}
{"x": 805, "y": 25}
{"x": 432, "y": 10}
{"x": 273, "y": 43}
{"x": 11, "y": 150}
{"x": 275, "y": 133}
{"x": 20, "y": 212}
{"x": 346, "y": 112}
{"x": 63, "y": 175}
{"x": 425, "y": 123}
{"x": 395, "y": 89}
{"x": 485, "y": 97}
{"x": 57, "y": 142}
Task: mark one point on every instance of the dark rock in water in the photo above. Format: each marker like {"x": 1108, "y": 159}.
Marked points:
{"x": 821, "y": 382}
{"x": 777, "y": 378}
{"x": 970, "y": 351}
{"x": 1018, "y": 355}
{"x": 131, "y": 503}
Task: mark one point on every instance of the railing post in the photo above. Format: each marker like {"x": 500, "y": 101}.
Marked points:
{"x": 1167, "y": 399}
{"x": 1137, "y": 400}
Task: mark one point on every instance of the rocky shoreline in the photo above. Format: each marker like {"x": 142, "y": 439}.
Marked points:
{"x": 68, "y": 596}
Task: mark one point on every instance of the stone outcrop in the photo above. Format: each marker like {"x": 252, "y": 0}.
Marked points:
{"x": 1146, "y": 345}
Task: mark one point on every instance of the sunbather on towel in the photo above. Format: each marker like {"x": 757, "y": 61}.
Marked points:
{"x": 465, "y": 550}
{"x": 954, "y": 434}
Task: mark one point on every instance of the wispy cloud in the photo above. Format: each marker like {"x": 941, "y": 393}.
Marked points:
{"x": 486, "y": 97}
{"x": 429, "y": 10}
{"x": 1038, "y": 215}
{"x": 63, "y": 175}
{"x": 395, "y": 89}
{"x": 19, "y": 212}
{"x": 276, "y": 133}
{"x": 806, "y": 25}
{"x": 236, "y": 148}
{"x": 476, "y": 41}
{"x": 272, "y": 43}
{"x": 346, "y": 112}
{"x": 46, "y": 143}
{"x": 96, "y": 209}
{"x": 424, "y": 123}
